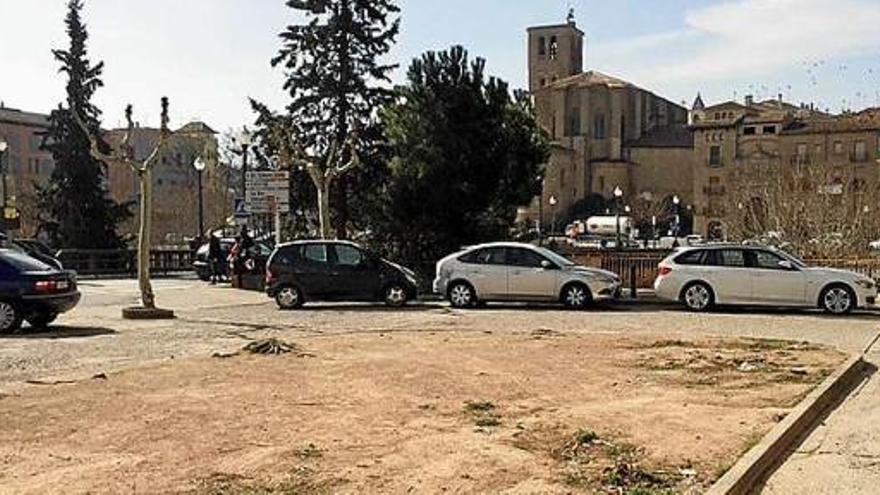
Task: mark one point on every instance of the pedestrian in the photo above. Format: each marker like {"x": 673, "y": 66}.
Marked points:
{"x": 215, "y": 258}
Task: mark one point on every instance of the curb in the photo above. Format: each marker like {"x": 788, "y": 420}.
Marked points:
{"x": 752, "y": 470}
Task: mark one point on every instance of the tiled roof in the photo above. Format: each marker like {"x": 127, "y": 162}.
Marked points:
{"x": 866, "y": 120}
{"x": 665, "y": 137}
{"x": 590, "y": 78}
{"x": 13, "y": 116}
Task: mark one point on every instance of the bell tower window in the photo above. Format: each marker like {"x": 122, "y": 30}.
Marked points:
{"x": 554, "y": 48}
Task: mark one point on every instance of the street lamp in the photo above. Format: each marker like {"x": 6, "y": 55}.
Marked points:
{"x": 677, "y": 202}
{"x": 3, "y": 147}
{"x": 618, "y": 195}
{"x": 553, "y": 201}
{"x": 244, "y": 139}
{"x": 199, "y": 164}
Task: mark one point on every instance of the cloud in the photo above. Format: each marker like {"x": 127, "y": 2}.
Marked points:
{"x": 746, "y": 38}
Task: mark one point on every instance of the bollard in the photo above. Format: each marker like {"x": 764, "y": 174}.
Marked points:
{"x": 634, "y": 291}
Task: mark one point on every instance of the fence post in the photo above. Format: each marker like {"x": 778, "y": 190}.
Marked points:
{"x": 634, "y": 289}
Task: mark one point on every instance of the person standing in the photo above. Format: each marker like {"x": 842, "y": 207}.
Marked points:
{"x": 215, "y": 258}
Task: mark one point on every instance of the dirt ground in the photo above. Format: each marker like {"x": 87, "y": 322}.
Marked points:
{"x": 538, "y": 411}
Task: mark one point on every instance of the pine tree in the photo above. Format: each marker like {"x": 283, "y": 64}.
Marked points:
{"x": 335, "y": 78}
{"x": 75, "y": 210}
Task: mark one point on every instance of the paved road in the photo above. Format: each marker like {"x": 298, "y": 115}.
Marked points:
{"x": 841, "y": 457}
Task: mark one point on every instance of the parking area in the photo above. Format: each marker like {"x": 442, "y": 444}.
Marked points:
{"x": 377, "y": 399}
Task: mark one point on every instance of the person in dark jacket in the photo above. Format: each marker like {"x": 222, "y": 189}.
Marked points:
{"x": 215, "y": 258}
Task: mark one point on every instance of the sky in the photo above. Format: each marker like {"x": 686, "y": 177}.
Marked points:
{"x": 209, "y": 56}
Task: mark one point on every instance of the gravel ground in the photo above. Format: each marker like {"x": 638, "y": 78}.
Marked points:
{"x": 94, "y": 338}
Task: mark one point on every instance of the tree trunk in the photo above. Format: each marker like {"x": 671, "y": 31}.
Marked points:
{"x": 147, "y": 298}
{"x": 323, "y": 187}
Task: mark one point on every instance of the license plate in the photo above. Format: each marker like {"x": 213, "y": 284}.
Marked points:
{"x": 63, "y": 285}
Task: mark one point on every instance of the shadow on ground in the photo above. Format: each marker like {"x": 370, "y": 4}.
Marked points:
{"x": 59, "y": 332}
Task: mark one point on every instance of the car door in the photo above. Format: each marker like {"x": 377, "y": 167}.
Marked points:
{"x": 729, "y": 276}
{"x": 312, "y": 272}
{"x": 775, "y": 284}
{"x": 527, "y": 278}
{"x": 488, "y": 273}
{"x": 354, "y": 277}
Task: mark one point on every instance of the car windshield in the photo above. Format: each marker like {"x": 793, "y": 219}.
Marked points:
{"x": 556, "y": 258}
{"x": 22, "y": 262}
{"x": 794, "y": 259}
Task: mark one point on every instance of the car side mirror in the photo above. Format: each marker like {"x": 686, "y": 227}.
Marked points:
{"x": 786, "y": 265}
{"x": 547, "y": 265}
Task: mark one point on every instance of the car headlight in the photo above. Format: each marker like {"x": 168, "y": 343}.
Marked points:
{"x": 866, "y": 283}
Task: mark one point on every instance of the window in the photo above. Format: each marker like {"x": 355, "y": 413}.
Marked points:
{"x": 542, "y": 46}
{"x": 860, "y": 151}
{"x": 491, "y": 256}
{"x": 599, "y": 126}
{"x": 554, "y": 48}
{"x": 714, "y": 156}
{"x": 838, "y": 147}
{"x": 601, "y": 183}
{"x": 284, "y": 256}
{"x": 717, "y": 116}
{"x": 315, "y": 253}
{"x": 696, "y": 257}
{"x": 348, "y": 255}
{"x": 525, "y": 258}
{"x": 766, "y": 260}
{"x": 818, "y": 150}
{"x": 543, "y": 82}
{"x": 802, "y": 150}
{"x": 749, "y": 131}
{"x": 573, "y": 122}
{"x": 769, "y": 129}
{"x": 733, "y": 258}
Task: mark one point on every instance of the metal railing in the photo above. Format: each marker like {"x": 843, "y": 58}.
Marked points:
{"x": 107, "y": 262}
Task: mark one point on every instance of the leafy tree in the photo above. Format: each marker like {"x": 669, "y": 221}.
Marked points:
{"x": 75, "y": 210}
{"x": 336, "y": 83}
{"x": 465, "y": 155}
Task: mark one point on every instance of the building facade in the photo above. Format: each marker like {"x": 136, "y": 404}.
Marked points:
{"x": 607, "y": 133}
{"x": 25, "y": 164}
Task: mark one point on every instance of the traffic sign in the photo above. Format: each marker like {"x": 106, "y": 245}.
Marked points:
{"x": 268, "y": 192}
{"x": 240, "y": 210}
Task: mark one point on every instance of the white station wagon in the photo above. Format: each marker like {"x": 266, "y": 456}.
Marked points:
{"x": 520, "y": 272}
{"x": 702, "y": 277}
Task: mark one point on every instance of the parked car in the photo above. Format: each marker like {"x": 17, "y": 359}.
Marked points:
{"x": 32, "y": 290}
{"x": 520, "y": 272}
{"x": 702, "y": 277}
{"x": 305, "y": 271}
{"x": 32, "y": 248}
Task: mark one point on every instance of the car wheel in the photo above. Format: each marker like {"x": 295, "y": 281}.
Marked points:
{"x": 837, "y": 300}
{"x": 42, "y": 320}
{"x": 576, "y": 296}
{"x": 395, "y": 295}
{"x": 461, "y": 295}
{"x": 698, "y": 297}
{"x": 289, "y": 298}
{"x": 10, "y": 317}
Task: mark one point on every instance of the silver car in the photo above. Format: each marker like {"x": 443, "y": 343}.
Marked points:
{"x": 701, "y": 277}
{"x": 520, "y": 272}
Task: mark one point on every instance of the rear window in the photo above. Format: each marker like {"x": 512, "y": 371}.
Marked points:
{"x": 284, "y": 256}
{"x": 485, "y": 256}
{"x": 22, "y": 262}
{"x": 696, "y": 257}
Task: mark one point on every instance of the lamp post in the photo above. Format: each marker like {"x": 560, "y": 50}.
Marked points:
{"x": 3, "y": 147}
{"x": 677, "y": 227}
{"x": 553, "y": 201}
{"x": 618, "y": 196}
{"x": 199, "y": 164}
{"x": 244, "y": 139}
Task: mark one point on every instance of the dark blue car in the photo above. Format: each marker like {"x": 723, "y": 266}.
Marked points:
{"x": 32, "y": 290}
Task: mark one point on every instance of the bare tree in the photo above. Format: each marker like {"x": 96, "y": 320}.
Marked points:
{"x": 124, "y": 156}
{"x": 816, "y": 210}
{"x": 280, "y": 138}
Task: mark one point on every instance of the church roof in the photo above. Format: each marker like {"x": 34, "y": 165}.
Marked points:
{"x": 591, "y": 78}
{"x": 698, "y": 103}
